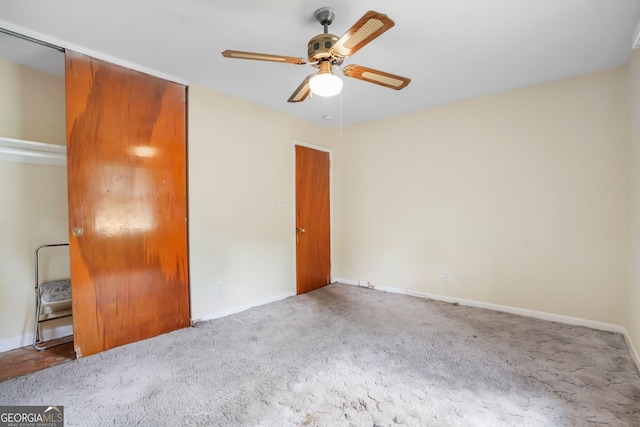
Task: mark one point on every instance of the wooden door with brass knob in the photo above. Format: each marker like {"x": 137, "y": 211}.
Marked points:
{"x": 126, "y": 160}
{"x": 313, "y": 218}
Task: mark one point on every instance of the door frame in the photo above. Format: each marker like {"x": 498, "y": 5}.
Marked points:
{"x": 294, "y": 203}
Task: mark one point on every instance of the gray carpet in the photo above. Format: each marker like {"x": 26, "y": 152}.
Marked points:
{"x": 348, "y": 356}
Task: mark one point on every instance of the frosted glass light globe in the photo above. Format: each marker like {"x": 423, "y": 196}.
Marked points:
{"x": 325, "y": 84}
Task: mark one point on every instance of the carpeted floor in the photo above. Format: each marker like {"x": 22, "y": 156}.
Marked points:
{"x": 349, "y": 356}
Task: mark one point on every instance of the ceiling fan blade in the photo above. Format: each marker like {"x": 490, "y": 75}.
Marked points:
{"x": 262, "y": 57}
{"x": 374, "y": 76}
{"x": 371, "y": 25}
{"x": 301, "y": 93}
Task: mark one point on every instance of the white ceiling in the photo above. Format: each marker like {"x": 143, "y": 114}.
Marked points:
{"x": 451, "y": 49}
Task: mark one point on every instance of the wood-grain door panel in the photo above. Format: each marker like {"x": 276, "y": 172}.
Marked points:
{"x": 313, "y": 215}
{"x": 126, "y": 157}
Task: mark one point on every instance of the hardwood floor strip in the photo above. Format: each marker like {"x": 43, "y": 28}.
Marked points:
{"x": 26, "y": 360}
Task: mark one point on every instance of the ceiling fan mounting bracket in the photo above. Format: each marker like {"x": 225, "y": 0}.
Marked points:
{"x": 325, "y": 16}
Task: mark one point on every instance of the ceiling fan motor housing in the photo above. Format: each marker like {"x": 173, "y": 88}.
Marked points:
{"x": 320, "y": 46}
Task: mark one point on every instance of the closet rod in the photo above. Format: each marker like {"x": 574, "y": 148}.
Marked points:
{"x": 31, "y": 39}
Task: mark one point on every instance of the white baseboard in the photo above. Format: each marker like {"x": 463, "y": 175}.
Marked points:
{"x": 346, "y": 281}
{"x": 27, "y": 339}
{"x": 632, "y": 349}
{"x": 241, "y": 308}
{"x": 513, "y": 310}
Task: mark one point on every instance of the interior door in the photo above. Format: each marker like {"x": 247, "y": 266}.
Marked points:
{"x": 126, "y": 157}
{"x": 313, "y": 219}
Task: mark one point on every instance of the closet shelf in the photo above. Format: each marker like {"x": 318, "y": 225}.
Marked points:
{"x": 40, "y": 153}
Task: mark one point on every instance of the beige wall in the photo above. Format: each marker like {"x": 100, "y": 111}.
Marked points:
{"x": 521, "y": 196}
{"x": 32, "y": 105}
{"x": 240, "y": 167}
{"x": 33, "y": 197}
{"x": 633, "y": 300}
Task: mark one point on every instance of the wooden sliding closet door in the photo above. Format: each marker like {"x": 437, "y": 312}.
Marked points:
{"x": 126, "y": 156}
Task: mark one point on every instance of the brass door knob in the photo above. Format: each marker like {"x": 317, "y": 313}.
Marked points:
{"x": 299, "y": 230}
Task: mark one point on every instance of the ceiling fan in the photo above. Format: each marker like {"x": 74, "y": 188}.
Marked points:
{"x": 326, "y": 51}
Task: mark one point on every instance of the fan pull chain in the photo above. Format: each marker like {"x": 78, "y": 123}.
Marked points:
{"x": 340, "y": 122}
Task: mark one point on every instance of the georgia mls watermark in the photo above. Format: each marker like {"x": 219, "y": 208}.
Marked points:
{"x": 31, "y": 416}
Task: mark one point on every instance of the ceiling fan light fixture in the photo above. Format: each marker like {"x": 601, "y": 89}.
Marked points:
{"x": 326, "y": 50}
{"x": 325, "y": 83}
